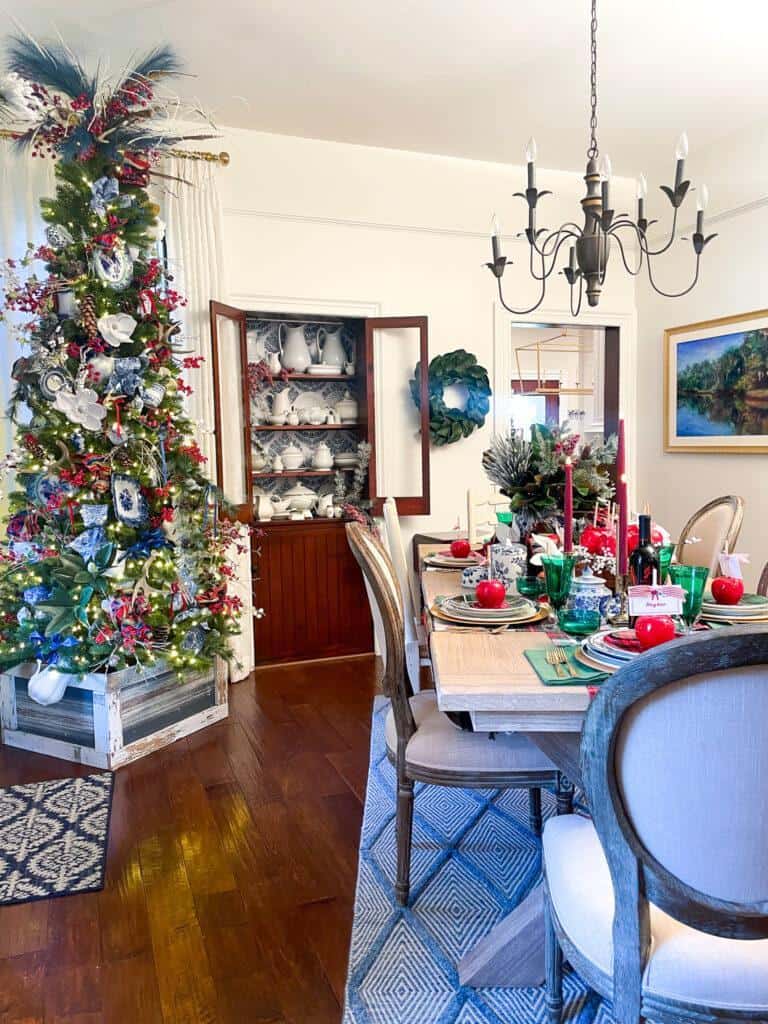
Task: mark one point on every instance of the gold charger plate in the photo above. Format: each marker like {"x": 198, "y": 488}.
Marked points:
{"x": 538, "y": 616}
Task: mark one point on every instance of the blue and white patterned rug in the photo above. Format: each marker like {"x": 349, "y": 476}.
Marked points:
{"x": 474, "y": 859}
{"x": 53, "y": 837}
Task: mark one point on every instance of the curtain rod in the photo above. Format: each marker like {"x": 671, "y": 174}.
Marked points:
{"x": 222, "y": 158}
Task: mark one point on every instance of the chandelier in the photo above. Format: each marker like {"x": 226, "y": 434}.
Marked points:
{"x": 590, "y": 244}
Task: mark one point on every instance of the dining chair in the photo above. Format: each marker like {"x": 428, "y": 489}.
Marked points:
{"x": 482, "y": 506}
{"x": 422, "y": 743}
{"x": 416, "y": 646}
{"x": 715, "y": 525}
{"x": 762, "y": 586}
{"x": 660, "y": 902}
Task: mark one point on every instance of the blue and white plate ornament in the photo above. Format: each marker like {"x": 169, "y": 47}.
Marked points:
{"x": 24, "y": 551}
{"x": 114, "y": 267}
{"x": 129, "y": 503}
{"x": 45, "y": 486}
{"x": 88, "y": 542}
{"x": 94, "y": 515}
{"x": 52, "y": 381}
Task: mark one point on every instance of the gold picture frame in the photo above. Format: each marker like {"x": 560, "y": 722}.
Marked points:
{"x": 724, "y": 366}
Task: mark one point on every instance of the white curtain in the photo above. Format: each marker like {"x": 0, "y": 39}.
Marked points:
{"x": 192, "y": 210}
{"x": 24, "y": 180}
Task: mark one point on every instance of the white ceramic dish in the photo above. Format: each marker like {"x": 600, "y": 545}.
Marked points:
{"x": 324, "y": 370}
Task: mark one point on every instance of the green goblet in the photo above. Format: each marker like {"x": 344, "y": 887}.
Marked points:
{"x": 665, "y": 552}
{"x": 558, "y": 572}
{"x": 692, "y": 579}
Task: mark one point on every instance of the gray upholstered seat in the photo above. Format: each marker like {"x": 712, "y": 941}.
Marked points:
{"x": 684, "y": 964}
{"x": 438, "y": 745}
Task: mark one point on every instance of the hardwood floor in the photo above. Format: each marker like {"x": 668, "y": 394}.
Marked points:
{"x": 230, "y": 873}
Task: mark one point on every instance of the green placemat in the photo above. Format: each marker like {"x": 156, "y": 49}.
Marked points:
{"x": 549, "y": 675}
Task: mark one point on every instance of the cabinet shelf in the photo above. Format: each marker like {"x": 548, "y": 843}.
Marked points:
{"x": 305, "y": 472}
{"x": 310, "y": 426}
{"x": 321, "y": 376}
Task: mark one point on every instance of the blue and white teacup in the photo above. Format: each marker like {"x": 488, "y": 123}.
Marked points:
{"x": 473, "y": 575}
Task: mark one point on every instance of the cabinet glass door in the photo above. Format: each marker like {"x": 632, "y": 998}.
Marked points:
{"x": 400, "y": 431}
{"x": 232, "y": 405}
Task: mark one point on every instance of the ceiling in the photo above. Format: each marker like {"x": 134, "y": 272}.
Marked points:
{"x": 468, "y": 78}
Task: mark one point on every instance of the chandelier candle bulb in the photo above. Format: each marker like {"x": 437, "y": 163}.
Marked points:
{"x": 642, "y": 192}
{"x": 495, "y": 238}
{"x": 681, "y": 152}
{"x": 530, "y": 159}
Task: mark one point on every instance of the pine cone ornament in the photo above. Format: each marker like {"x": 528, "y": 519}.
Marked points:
{"x": 88, "y": 316}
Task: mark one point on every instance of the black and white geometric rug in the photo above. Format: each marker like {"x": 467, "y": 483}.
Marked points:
{"x": 53, "y": 837}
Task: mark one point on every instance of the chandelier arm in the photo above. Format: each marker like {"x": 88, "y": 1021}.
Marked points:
{"x": 574, "y": 232}
{"x": 674, "y": 295}
{"x": 542, "y": 252}
{"x": 627, "y": 267}
{"x": 575, "y": 312}
{"x": 664, "y": 248}
{"x": 522, "y": 312}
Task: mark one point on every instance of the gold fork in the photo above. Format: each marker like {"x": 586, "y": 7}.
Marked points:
{"x": 562, "y": 657}
{"x": 553, "y": 658}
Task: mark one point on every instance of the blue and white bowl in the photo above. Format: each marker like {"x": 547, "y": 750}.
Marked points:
{"x": 473, "y": 575}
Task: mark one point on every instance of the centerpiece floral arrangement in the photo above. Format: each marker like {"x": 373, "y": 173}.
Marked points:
{"x": 115, "y": 553}
{"x": 531, "y": 473}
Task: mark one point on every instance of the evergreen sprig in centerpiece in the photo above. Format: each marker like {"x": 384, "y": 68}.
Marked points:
{"x": 115, "y": 553}
{"x": 532, "y": 472}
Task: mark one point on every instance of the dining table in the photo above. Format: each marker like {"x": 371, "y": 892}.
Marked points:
{"x": 486, "y": 674}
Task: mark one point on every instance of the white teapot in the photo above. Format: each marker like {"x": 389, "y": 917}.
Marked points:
{"x": 292, "y": 456}
{"x": 346, "y": 409}
{"x": 323, "y": 457}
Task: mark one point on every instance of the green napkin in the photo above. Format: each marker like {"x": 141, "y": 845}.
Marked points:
{"x": 550, "y": 676}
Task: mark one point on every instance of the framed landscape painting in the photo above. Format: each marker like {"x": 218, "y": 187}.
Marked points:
{"x": 716, "y": 385}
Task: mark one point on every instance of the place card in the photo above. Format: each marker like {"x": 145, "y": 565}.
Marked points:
{"x": 730, "y": 565}
{"x": 656, "y": 600}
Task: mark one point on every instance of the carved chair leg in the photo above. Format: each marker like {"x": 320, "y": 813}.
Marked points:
{"x": 553, "y": 965}
{"x": 564, "y": 795}
{"x": 534, "y": 810}
{"x": 404, "y": 827}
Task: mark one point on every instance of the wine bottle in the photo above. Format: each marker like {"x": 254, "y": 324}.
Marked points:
{"x": 644, "y": 559}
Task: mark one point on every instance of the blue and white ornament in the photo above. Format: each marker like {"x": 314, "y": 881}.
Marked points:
{"x": 129, "y": 503}
{"x": 88, "y": 542}
{"x": 103, "y": 190}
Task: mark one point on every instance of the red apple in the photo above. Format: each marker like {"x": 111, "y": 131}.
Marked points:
{"x": 652, "y": 630}
{"x": 460, "y": 548}
{"x": 727, "y": 589}
{"x": 490, "y": 593}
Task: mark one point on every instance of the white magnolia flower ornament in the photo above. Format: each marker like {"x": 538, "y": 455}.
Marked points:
{"x": 116, "y": 328}
{"x": 82, "y": 407}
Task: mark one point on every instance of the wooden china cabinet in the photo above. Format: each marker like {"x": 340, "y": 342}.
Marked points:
{"x": 306, "y": 578}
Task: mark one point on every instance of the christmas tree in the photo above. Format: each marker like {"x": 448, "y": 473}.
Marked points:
{"x": 115, "y": 552}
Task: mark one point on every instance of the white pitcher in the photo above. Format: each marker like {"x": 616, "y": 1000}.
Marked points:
{"x": 294, "y": 353}
{"x": 333, "y": 351}
{"x": 281, "y": 403}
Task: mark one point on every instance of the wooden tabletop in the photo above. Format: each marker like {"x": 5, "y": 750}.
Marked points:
{"x": 489, "y": 676}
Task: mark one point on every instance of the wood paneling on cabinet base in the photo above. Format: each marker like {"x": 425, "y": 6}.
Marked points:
{"x": 313, "y": 594}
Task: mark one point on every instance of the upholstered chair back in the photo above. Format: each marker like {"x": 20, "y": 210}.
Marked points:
{"x": 383, "y": 584}
{"x": 675, "y": 767}
{"x": 709, "y": 531}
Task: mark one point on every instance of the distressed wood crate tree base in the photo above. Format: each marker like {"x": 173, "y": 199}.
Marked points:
{"x": 108, "y": 720}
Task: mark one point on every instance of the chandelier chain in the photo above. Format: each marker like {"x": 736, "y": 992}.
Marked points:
{"x": 593, "y": 150}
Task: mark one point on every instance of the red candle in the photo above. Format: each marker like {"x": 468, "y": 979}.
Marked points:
{"x": 621, "y": 498}
{"x": 621, "y": 540}
{"x": 568, "y": 508}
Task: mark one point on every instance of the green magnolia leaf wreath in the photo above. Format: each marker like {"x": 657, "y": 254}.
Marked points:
{"x": 448, "y": 425}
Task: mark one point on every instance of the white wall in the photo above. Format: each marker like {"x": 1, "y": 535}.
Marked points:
{"x": 352, "y": 229}
{"x": 733, "y": 280}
